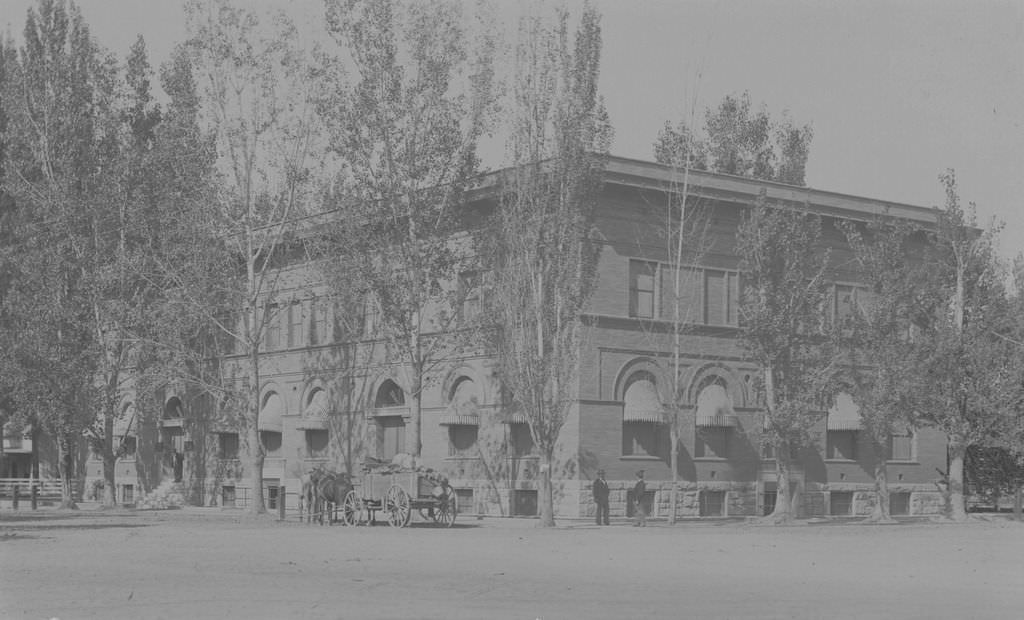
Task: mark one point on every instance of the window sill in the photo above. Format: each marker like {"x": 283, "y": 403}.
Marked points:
{"x": 639, "y": 457}
{"x": 910, "y": 462}
{"x": 841, "y": 461}
{"x": 465, "y": 457}
{"x": 710, "y": 459}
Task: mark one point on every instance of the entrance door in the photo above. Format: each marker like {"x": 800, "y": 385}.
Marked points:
{"x": 390, "y": 436}
{"x": 174, "y": 453}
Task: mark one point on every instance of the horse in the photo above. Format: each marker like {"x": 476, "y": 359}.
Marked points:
{"x": 331, "y": 491}
{"x": 309, "y": 496}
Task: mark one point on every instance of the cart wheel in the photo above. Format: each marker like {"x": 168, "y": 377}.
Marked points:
{"x": 444, "y": 514}
{"x": 396, "y": 503}
{"x": 352, "y": 509}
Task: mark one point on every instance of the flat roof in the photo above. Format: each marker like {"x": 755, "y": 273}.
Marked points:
{"x": 730, "y": 188}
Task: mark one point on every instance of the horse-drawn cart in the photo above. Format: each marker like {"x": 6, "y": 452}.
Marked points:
{"x": 396, "y": 494}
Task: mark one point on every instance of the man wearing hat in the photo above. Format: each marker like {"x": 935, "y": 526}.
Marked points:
{"x": 639, "y": 490}
{"x": 600, "y": 490}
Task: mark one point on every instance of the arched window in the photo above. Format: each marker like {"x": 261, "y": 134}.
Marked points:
{"x": 642, "y": 418}
{"x": 715, "y": 418}
{"x": 842, "y": 426}
{"x": 389, "y": 395}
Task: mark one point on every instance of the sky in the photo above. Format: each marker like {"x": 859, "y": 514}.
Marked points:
{"x": 896, "y": 91}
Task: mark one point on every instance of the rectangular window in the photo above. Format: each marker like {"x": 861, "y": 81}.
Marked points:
{"x": 641, "y": 439}
{"x": 524, "y": 503}
{"x": 462, "y": 439}
{"x": 767, "y": 450}
{"x": 899, "y": 504}
{"x": 712, "y": 503}
{"x": 272, "y": 328}
{"x": 712, "y": 443}
{"x": 469, "y": 293}
{"x": 721, "y": 297}
{"x": 647, "y": 500}
{"x": 840, "y": 503}
{"x": 316, "y": 444}
{"x": 520, "y": 439}
{"x": 318, "y": 322}
{"x": 769, "y": 494}
{"x": 641, "y": 288}
{"x": 271, "y": 442}
{"x": 227, "y": 496}
{"x": 691, "y": 309}
{"x": 128, "y": 447}
{"x": 228, "y": 446}
{"x": 841, "y": 445}
{"x": 465, "y": 501}
{"x": 296, "y": 325}
{"x": 127, "y": 493}
{"x": 391, "y": 437}
{"x": 901, "y": 447}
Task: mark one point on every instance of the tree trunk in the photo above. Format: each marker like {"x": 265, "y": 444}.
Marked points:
{"x": 1017, "y": 503}
{"x": 65, "y": 446}
{"x": 784, "y": 504}
{"x": 881, "y": 513}
{"x": 413, "y": 439}
{"x": 673, "y": 492}
{"x": 545, "y": 494}
{"x": 257, "y": 452}
{"x": 109, "y": 461}
{"x": 957, "y": 506}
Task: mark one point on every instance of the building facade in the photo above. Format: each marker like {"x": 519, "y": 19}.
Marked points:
{"x": 333, "y": 401}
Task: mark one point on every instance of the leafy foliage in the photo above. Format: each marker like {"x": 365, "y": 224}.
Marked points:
{"x": 741, "y": 141}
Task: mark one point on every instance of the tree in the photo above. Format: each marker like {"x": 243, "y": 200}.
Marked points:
{"x": 405, "y": 129}
{"x": 973, "y": 382}
{"x": 544, "y": 261}
{"x": 59, "y": 106}
{"x": 738, "y": 140}
{"x": 781, "y": 321}
{"x": 882, "y": 375}
{"x": 255, "y": 85}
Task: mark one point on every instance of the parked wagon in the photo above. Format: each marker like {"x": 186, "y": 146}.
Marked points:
{"x": 397, "y": 494}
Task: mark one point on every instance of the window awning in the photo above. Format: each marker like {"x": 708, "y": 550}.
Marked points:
{"x": 314, "y": 417}
{"x": 270, "y": 415}
{"x": 844, "y": 414}
{"x": 717, "y": 420}
{"x": 714, "y": 408}
{"x": 515, "y": 417}
{"x": 642, "y": 403}
{"x": 460, "y": 419}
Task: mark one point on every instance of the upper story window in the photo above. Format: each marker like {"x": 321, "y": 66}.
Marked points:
{"x": 693, "y": 294}
{"x": 642, "y": 276}
{"x": 469, "y": 294}
{"x": 901, "y": 446}
{"x": 296, "y": 325}
{"x": 318, "y": 322}
{"x": 389, "y": 395}
{"x": 272, "y": 328}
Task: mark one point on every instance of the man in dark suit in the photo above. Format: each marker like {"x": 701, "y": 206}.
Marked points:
{"x": 639, "y": 490}
{"x": 600, "y": 490}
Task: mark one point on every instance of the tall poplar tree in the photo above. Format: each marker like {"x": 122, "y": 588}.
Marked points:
{"x": 405, "y": 127}
{"x": 545, "y": 260}
{"x": 255, "y": 85}
{"x": 781, "y": 328}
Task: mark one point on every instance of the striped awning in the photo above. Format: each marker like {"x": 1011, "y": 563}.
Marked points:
{"x": 844, "y": 414}
{"x": 717, "y": 420}
{"x": 270, "y": 415}
{"x": 516, "y": 417}
{"x": 714, "y": 408}
{"x": 642, "y": 403}
{"x": 314, "y": 417}
{"x": 460, "y": 419}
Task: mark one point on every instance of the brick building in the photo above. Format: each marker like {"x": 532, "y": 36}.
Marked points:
{"x": 333, "y": 403}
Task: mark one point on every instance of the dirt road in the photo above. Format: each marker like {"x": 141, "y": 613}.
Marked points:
{"x": 195, "y": 564}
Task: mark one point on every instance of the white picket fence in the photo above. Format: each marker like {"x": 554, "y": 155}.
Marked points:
{"x": 45, "y": 487}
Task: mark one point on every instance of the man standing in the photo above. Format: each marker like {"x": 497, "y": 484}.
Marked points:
{"x": 600, "y": 490}
{"x": 639, "y": 490}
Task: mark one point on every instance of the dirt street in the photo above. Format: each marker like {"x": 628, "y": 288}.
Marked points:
{"x": 210, "y": 564}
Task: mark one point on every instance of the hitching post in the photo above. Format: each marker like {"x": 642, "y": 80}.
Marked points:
{"x": 14, "y": 500}
{"x": 280, "y": 503}
{"x": 34, "y": 494}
